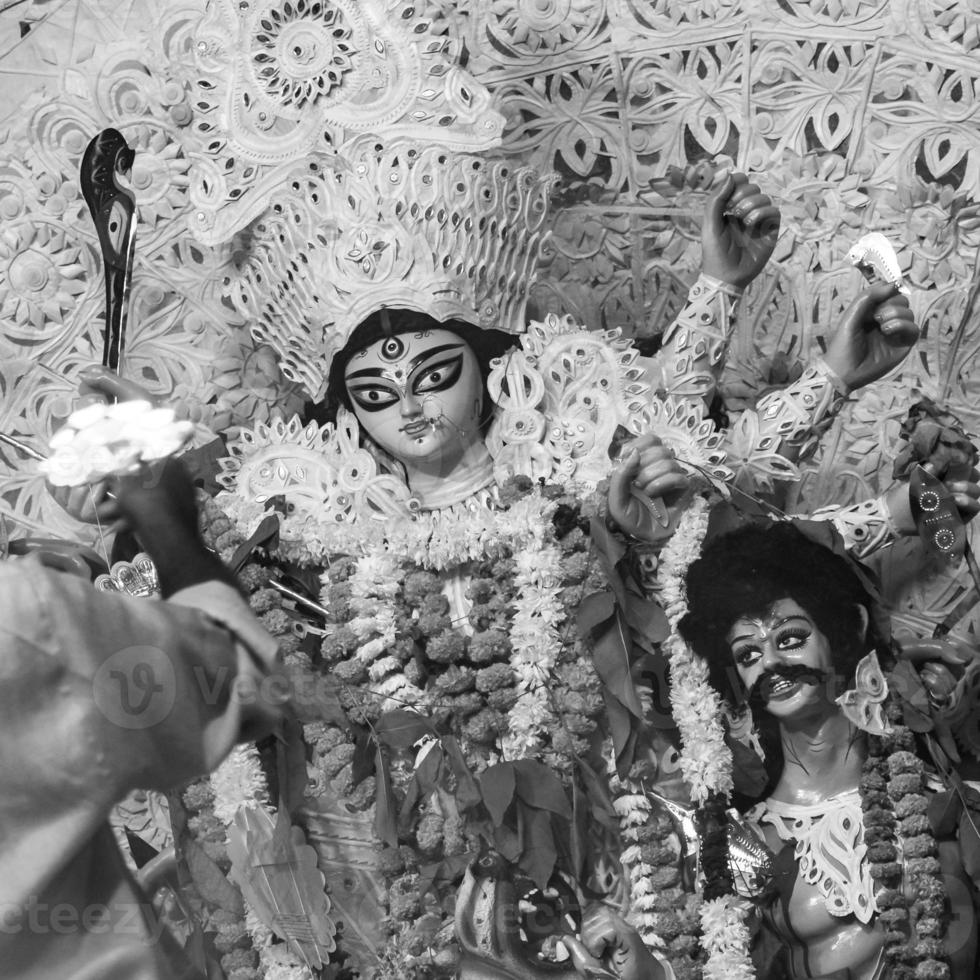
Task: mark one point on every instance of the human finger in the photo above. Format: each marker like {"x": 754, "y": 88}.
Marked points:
{"x": 598, "y": 930}
{"x": 947, "y": 649}
{"x": 745, "y": 195}
{"x": 645, "y": 444}
{"x": 78, "y": 502}
{"x": 652, "y": 455}
{"x": 968, "y": 506}
{"x": 969, "y": 488}
{"x": 109, "y": 512}
{"x": 765, "y": 219}
{"x": 620, "y": 485}
{"x": 584, "y": 961}
{"x": 657, "y": 469}
{"x": 966, "y": 496}
{"x": 716, "y": 206}
{"x": 668, "y": 485}
{"x": 864, "y": 305}
{"x": 706, "y": 175}
{"x": 876, "y": 294}
{"x": 897, "y": 323}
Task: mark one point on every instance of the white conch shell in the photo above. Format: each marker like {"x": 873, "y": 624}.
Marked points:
{"x": 874, "y": 255}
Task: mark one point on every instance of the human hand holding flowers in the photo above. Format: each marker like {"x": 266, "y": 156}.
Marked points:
{"x": 116, "y": 430}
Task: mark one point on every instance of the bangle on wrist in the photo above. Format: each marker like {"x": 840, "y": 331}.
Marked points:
{"x": 735, "y": 292}
{"x": 840, "y": 385}
{"x": 884, "y": 508}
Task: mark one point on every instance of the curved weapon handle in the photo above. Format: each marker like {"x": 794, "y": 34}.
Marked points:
{"x": 113, "y": 208}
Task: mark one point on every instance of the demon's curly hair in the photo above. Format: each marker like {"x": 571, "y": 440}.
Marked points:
{"x": 486, "y": 345}
{"x": 743, "y": 572}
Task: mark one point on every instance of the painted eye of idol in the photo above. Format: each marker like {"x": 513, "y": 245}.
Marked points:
{"x": 789, "y": 633}
{"x": 428, "y": 373}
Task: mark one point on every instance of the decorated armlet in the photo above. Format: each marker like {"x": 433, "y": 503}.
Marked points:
{"x": 802, "y": 412}
{"x": 694, "y": 345}
{"x": 865, "y": 527}
{"x": 763, "y": 444}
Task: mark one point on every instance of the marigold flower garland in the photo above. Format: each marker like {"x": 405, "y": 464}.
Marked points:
{"x": 499, "y": 668}
{"x": 231, "y": 937}
{"x": 663, "y": 911}
{"x": 901, "y": 845}
{"x": 247, "y": 946}
{"x": 240, "y": 782}
{"x": 634, "y": 811}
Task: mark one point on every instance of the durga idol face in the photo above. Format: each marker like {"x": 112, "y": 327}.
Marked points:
{"x": 418, "y": 396}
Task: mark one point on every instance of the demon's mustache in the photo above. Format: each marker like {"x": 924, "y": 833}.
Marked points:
{"x": 761, "y": 690}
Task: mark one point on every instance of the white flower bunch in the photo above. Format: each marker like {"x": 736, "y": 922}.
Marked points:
{"x": 110, "y": 440}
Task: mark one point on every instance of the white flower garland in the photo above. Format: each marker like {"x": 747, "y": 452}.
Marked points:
{"x": 437, "y": 540}
{"x": 534, "y": 633}
{"x": 705, "y": 760}
{"x": 725, "y": 937}
{"x": 239, "y": 781}
{"x": 373, "y": 586}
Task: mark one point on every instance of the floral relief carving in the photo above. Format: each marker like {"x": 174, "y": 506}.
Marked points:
{"x": 953, "y": 22}
{"x": 301, "y": 52}
{"x": 567, "y": 121}
{"x": 659, "y": 17}
{"x": 521, "y": 30}
{"x": 809, "y": 96}
{"x": 684, "y": 103}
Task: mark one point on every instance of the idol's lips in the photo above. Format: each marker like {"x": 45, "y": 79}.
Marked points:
{"x": 775, "y": 685}
{"x": 778, "y": 688}
{"x": 415, "y": 428}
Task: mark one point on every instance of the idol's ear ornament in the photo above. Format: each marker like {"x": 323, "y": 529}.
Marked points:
{"x": 863, "y": 705}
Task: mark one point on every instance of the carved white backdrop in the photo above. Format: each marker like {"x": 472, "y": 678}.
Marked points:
{"x": 855, "y": 115}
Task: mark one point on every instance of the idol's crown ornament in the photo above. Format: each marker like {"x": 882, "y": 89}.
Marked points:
{"x": 402, "y": 225}
{"x": 334, "y": 144}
